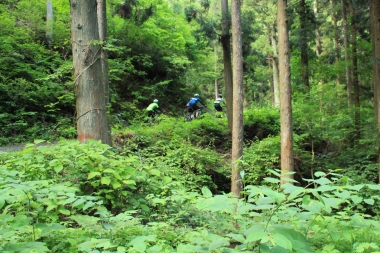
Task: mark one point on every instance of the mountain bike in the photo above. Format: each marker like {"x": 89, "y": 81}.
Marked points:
{"x": 189, "y": 116}
{"x": 153, "y": 120}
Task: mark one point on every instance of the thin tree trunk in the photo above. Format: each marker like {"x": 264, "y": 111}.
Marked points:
{"x": 102, "y": 25}
{"x": 350, "y": 96}
{"x": 49, "y": 23}
{"x": 225, "y": 38}
{"x": 336, "y": 38}
{"x": 238, "y": 88}
{"x": 355, "y": 78}
{"x": 375, "y": 35}
{"x": 303, "y": 44}
{"x": 287, "y": 158}
{"x": 215, "y": 69}
{"x": 88, "y": 74}
{"x": 318, "y": 50}
{"x": 276, "y": 88}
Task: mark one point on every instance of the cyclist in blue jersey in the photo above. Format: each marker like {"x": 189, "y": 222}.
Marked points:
{"x": 192, "y": 106}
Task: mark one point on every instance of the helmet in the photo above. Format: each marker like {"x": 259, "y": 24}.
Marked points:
{"x": 155, "y": 101}
{"x": 220, "y": 95}
{"x": 196, "y": 95}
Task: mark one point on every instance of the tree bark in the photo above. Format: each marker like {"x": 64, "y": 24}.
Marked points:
{"x": 336, "y": 38}
{"x": 375, "y": 35}
{"x": 355, "y": 78}
{"x": 88, "y": 74}
{"x": 350, "y": 96}
{"x": 215, "y": 69}
{"x": 276, "y": 88}
{"x": 102, "y": 26}
{"x": 49, "y": 23}
{"x": 287, "y": 158}
{"x": 303, "y": 44}
{"x": 318, "y": 50}
{"x": 238, "y": 88}
{"x": 227, "y": 72}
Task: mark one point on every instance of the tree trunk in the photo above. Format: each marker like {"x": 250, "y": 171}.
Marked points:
{"x": 238, "y": 88}
{"x": 102, "y": 26}
{"x": 227, "y": 61}
{"x": 303, "y": 44}
{"x": 355, "y": 78}
{"x": 318, "y": 49}
{"x": 375, "y": 35}
{"x": 350, "y": 96}
{"x": 49, "y": 23}
{"x": 276, "y": 88}
{"x": 287, "y": 159}
{"x": 336, "y": 38}
{"x": 215, "y": 69}
{"x": 88, "y": 74}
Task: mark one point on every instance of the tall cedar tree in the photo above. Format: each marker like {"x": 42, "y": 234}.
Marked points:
{"x": 227, "y": 72}
{"x": 88, "y": 75}
{"x": 238, "y": 88}
{"x": 287, "y": 159}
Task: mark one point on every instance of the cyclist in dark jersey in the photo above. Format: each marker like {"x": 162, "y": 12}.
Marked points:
{"x": 217, "y": 103}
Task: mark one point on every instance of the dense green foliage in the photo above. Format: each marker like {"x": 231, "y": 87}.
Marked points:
{"x": 146, "y": 197}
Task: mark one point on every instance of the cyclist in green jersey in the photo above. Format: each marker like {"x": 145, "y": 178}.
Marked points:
{"x": 153, "y": 109}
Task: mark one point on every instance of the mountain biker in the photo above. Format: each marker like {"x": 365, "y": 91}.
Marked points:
{"x": 217, "y": 103}
{"x": 153, "y": 108}
{"x": 192, "y": 106}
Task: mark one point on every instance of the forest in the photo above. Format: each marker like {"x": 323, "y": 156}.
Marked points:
{"x": 291, "y": 164}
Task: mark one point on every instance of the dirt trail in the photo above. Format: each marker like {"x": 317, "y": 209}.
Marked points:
{"x": 19, "y": 147}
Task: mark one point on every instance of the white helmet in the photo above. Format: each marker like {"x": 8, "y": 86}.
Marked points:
{"x": 196, "y": 95}
{"x": 155, "y": 101}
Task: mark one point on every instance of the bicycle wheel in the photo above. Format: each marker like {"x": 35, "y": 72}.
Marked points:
{"x": 188, "y": 117}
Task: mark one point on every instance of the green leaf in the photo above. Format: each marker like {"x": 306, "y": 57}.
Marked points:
{"x": 237, "y": 237}
{"x": 93, "y": 174}
{"x": 274, "y": 173}
{"x": 296, "y": 193}
{"x": 88, "y": 205}
{"x": 105, "y": 180}
{"x": 166, "y": 179}
{"x": 217, "y": 244}
{"x": 306, "y": 200}
{"x": 51, "y": 207}
{"x": 356, "y": 199}
{"x": 281, "y": 240}
{"x": 139, "y": 244}
{"x": 2, "y": 202}
{"x": 256, "y": 236}
{"x": 319, "y": 174}
{"x": 116, "y": 184}
{"x": 64, "y": 211}
{"x": 272, "y": 180}
{"x": 206, "y": 192}
{"x": 369, "y": 201}
{"x": 78, "y": 202}
{"x": 154, "y": 248}
{"x": 58, "y": 168}
{"x": 322, "y": 181}
{"x": 127, "y": 182}
{"x": 155, "y": 172}
{"x": 374, "y": 186}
